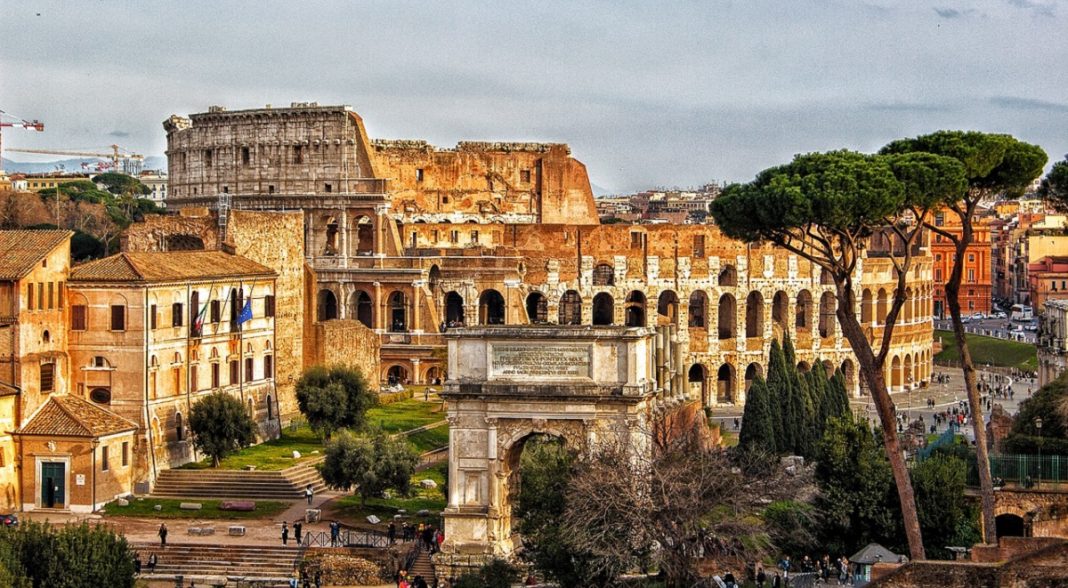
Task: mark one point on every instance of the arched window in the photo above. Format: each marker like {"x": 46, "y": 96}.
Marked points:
{"x": 270, "y": 409}
{"x": 667, "y": 307}
{"x": 604, "y": 275}
{"x": 698, "y": 310}
{"x": 398, "y": 312}
{"x": 827, "y": 314}
{"x": 780, "y": 307}
{"x": 866, "y": 307}
{"x": 179, "y": 428}
{"x": 571, "y": 308}
{"x": 754, "y": 315}
{"x": 326, "y": 307}
{"x": 728, "y": 276}
{"x": 537, "y": 308}
{"x": 603, "y": 309}
{"x": 803, "y": 312}
{"x": 728, "y": 310}
{"x": 491, "y": 308}
{"x": 363, "y": 308}
{"x": 725, "y": 384}
{"x": 635, "y": 309}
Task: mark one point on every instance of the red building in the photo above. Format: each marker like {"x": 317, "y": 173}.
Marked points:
{"x": 976, "y": 284}
{"x": 1048, "y": 280}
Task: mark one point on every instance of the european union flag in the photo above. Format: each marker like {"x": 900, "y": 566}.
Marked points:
{"x": 246, "y": 312}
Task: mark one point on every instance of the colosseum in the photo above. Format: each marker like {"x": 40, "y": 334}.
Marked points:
{"x": 412, "y": 240}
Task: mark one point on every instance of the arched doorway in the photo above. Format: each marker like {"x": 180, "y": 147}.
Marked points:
{"x": 432, "y": 375}
{"x": 397, "y": 375}
{"x": 698, "y": 310}
{"x": 454, "y": 309}
{"x": 330, "y": 245}
{"x": 604, "y": 308}
{"x": 751, "y": 372}
{"x": 727, "y": 317}
{"x": 880, "y": 307}
{"x": 827, "y": 316}
{"x": 780, "y": 308}
{"x": 635, "y": 309}
{"x": 398, "y": 312}
{"x": 434, "y": 277}
{"x": 849, "y": 372}
{"x": 570, "y": 308}
{"x": 754, "y": 315}
{"x": 866, "y": 307}
{"x": 895, "y": 374}
{"x": 491, "y": 308}
{"x": 667, "y": 308}
{"x": 326, "y": 306}
{"x": 365, "y": 236}
{"x": 1010, "y": 525}
{"x": 728, "y": 276}
{"x": 528, "y": 463}
{"x": 363, "y": 308}
{"x": 537, "y": 308}
{"x": 803, "y": 366}
{"x": 698, "y": 380}
{"x": 725, "y": 384}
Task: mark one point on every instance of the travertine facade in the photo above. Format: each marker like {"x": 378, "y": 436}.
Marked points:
{"x": 409, "y": 239}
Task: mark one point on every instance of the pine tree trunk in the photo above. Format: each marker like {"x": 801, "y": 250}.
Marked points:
{"x": 986, "y": 483}
{"x": 873, "y": 375}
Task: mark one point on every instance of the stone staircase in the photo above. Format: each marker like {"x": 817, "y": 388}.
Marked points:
{"x": 287, "y": 484}
{"x": 421, "y": 566}
{"x": 263, "y": 565}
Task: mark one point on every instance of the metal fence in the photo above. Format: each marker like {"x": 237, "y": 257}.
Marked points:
{"x": 346, "y": 538}
{"x": 1029, "y": 469}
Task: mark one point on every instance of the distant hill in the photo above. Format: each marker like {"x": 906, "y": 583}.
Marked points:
{"x": 70, "y": 165}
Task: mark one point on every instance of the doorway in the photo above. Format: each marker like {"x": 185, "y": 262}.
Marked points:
{"x": 53, "y": 484}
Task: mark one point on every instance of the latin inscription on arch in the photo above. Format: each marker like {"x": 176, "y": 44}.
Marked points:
{"x": 518, "y": 361}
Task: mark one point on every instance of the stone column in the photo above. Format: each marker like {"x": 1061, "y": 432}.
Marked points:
{"x": 343, "y": 228}
{"x": 454, "y": 473}
{"x": 382, "y": 311}
{"x": 417, "y": 377}
{"x": 380, "y": 220}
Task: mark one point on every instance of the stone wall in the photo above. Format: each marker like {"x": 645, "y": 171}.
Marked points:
{"x": 346, "y": 343}
{"x": 1029, "y": 564}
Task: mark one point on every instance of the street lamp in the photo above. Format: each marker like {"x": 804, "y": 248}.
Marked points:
{"x": 908, "y": 379}
{"x": 1038, "y": 426}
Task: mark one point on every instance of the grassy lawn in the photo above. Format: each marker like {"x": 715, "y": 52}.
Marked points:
{"x": 210, "y": 510}
{"x": 272, "y": 455}
{"x": 405, "y": 415}
{"x": 348, "y": 508}
{"x": 430, "y": 438}
{"x": 990, "y": 351}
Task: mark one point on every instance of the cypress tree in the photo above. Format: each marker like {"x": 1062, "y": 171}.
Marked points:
{"x": 837, "y": 396}
{"x": 778, "y": 383}
{"x": 758, "y": 431}
{"x": 799, "y": 409}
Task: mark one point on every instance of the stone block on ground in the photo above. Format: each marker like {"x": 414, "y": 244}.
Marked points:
{"x": 296, "y": 454}
{"x": 122, "y": 502}
{"x": 373, "y": 519}
{"x": 428, "y": 483}
{"x": 236, "y": 530}
{"x": 157, "y": 507}
{"x": 190, "y": 506}
{"x": 313, "y": 515}
{"x": 239, "y": 505}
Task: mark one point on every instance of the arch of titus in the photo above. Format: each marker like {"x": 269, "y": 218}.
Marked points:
{"x": 578, "y": 383}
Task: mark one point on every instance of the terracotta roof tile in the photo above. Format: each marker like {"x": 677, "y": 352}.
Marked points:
{"x": 70, "y": 416}
{"x": 168, "y": 266}
{"x": 21, "y": 250}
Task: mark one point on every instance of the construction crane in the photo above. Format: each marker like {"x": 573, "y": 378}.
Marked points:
{"x": 14, "y": 121}
{"x": 131, "y": 162}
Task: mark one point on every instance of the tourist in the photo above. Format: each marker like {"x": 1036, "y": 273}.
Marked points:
{"x": 761, "y": 576}
{"x": 309, "y": 493}
{"x": 162, "y": 534}
{"x": 391, "y": 532}
{"x": 285, "y": 533}
{"x": 318, "y": 579}
{"x": 297, "y": 527}
{"x": 152, "y": 561}
{"x": 335, "y": 533}
{"x": 137, "y": 563}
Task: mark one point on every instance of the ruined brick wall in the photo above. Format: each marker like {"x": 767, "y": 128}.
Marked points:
{"x": 496, "y": 182}
{"x": 276, "y": 240}
{"x": 303, "y": 149}
{"x": 170, "y": 232}
{"x": 348, "y": 343}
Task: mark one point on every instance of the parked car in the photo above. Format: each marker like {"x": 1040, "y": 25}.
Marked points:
{"x": 1001, "y": 315}
{"x": 9, "y": 520}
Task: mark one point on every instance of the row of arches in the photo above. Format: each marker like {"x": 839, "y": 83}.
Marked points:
{"x": 908, "y": 370}
{"x": 724, "y": 388}
{"x": 874, "y": 307}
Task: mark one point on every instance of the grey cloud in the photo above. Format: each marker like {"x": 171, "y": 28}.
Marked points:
{"x": 1040, "y": 8}
{"x": 1018, "y": 103}
{"x": 119, "y": 134}
{"x": 953, "y": 13}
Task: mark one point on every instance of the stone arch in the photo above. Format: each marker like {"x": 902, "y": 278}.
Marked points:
{"x": 634, "y": 309}
{"x": 490, "y": 308}
{"x": 667, "y": 307}
{"x": 604, "y": 308}
{"x": 828, "y": 368}
{"x": 1010, "y": 525}
{"x": 803, "y": 312}
{"x": 849, "y": 372}
{"x": 803, "y": 366}
{"x": 454, "y": 309}
{"x": 434, "y": 277}
{"x": 537, "y": 308}
{"x": 331, "y": 236}
{"x": 698, "y": 310}
{"x": 826, "y": 279}
{"x": 396, "y": 374}
{"x": 431, "y": 375}
{"x": 827, "y": 316}
{"x": 754, "y": 315}
{"x": 365, "y": 235}
{"x": 780, "y": 309}
{"x": 910, "y": 377}
{"x": 751, "y": 372}
{"x": 866, "y": 307}
{"x": 881, "y": 307}
{"x": 362, "y": 308}
{"x": 326, "y": 305}
{"x": 895, "y": 374}
{"x": 398, "y": 311}
{"x": 183, "y": 242}
{"x": 908, "y": 307}
{"x": 728, "y": 276}
{"x": 697, "y": 377}
{"x": 725, "y": 384}
{"x": 570, "y": 308}
{"x": 727, "y": 323}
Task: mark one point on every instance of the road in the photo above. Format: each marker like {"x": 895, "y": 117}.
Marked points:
{"x": 992, "y": 327}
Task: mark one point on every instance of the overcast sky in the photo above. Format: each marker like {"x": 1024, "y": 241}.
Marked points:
{"x": 646, "y": 93}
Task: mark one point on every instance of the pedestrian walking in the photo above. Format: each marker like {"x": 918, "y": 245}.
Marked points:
{"x": 761, "y": 577}
{"x": 152, "y": 561}
{"x": 162, "y": 534}
{"x": 309, "y": 493}
{"x": 391, "y": 532}
{"x": 285, "y": 533}
{"x": 297, "y": 527}
{"x": 335, "y": 533}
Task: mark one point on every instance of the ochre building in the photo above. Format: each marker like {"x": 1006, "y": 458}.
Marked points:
{"x": 412, "y": 240}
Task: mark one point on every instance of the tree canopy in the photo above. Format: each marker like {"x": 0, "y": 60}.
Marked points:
{"x": 71, "y": 556}
{"x": 334, "y": 398}
{"x": 1055, "y": 185}
{"x": 370, "y": 464}
{"x": 220, "y": 426}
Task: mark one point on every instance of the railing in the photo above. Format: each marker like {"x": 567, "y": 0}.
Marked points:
{"x": 346, "y": 538}
{"x": 1024, "y": 470}
{"x": 947, "y": 438}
